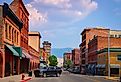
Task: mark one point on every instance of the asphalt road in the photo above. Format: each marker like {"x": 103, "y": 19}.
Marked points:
{"x": 68, "y": 77}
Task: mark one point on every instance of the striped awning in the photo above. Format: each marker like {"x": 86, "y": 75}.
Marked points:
{"x": 26, "y": 55}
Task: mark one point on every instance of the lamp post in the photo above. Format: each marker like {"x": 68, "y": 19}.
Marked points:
{"x": 109, "y": 53}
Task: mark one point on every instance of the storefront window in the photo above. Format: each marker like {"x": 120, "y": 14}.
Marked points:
{"x": 119, "y": 57}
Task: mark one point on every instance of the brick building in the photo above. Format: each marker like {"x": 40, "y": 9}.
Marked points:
{"x": 76, "y": 60}
{"x": 87, "y": 34}
{"x": 21, "y": 12}
{"x": 10, "y": 50}
{"x": 76, "y": 57}
{"x": 98, "y": 43}
{"x": 67, "y": 56}
{"x": 115, "y": 62}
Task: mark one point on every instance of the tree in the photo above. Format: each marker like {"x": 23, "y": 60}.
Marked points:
{"x": 68, "y": 63}
{"x": 53, "y": 60}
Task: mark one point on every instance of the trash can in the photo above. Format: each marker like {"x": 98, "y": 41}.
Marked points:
{"x": 30, "y": 73}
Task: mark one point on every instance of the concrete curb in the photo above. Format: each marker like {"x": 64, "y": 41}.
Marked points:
{"x": 26, "y": 79}
{"x": 112, "y": 78}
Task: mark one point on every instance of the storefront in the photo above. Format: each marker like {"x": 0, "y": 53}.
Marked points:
{"x": 12, "y": 59}
{"x": 25, "y": 62}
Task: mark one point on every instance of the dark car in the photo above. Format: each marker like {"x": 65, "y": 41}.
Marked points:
{"x": 51, "y": 71}
{"x": 59, "y": 70}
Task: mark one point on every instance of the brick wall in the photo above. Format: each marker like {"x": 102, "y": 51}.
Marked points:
{"x": 98, "y": 43}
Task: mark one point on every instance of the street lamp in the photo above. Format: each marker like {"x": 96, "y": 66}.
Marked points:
{"x": 109, "y": 53}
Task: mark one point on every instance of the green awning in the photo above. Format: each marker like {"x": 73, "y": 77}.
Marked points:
{"x": 19, "y": 50}
{"x": 15, "y": 53}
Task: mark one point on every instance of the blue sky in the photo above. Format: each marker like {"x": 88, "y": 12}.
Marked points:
{"x": 62, "y": 21}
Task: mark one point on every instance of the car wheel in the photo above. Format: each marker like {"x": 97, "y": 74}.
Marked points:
{"x": 44, "y": 75}
{"x": 57, "y": 75}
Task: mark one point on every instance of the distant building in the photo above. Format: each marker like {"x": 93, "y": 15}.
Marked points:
{"x": 43, "y": 55}
{"x": 60, "y": 62}
{"x": 47, "y": 47}
{"x": 76, "y": 57}
{"x": 34, "y": 49}
{"x": 67, "y": 56}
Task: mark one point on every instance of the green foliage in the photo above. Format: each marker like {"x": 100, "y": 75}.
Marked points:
{"x": 53, "y": 60}
{"x": 68, "y": 64}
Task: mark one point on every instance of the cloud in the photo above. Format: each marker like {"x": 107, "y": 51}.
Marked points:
{"x": 49, "y": 14}
{"x": 36, "y": 17}
{"x": 57, "y": 3}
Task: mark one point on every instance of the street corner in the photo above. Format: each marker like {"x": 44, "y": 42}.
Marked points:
{"x": 112, "y": 78}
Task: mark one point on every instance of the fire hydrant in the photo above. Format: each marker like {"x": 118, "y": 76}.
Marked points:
{"x": 23, "y": 76}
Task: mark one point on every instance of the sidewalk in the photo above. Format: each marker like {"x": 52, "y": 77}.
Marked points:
{"x": 16, "y": 78}
{"x": 112, "y": 78}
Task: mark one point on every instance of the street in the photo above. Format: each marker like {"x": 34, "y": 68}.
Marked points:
{"x": 68, "y": 77}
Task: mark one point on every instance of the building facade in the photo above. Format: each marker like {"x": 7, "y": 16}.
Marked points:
{"x": 115, "y": 62}
{"x": 87, "y": 34}
{"x": 43, "y": 55}
{"x": 98, "y": 43}
{"x": 67, "y": 56}
{"x": 10, "y": 54}
{"x": 21, "y": 12}
{"x": 34, "y": 49}
{"x": 76, "y": 57}
{"x": 47, "y": 47}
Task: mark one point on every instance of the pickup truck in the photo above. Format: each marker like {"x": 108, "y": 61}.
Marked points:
{"x": 51, "y": 70}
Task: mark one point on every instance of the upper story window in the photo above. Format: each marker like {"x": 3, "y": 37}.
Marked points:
{"x": 6, "y": 32}
{"x": 119, "y": 57}
{"x": 111, "y": 35}
{"x": 119, "y": 36}
{"x": 10, "y": 32}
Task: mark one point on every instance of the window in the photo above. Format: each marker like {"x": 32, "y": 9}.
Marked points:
{"x": 119, "y": 36}
{"x": 6, "y": 33}
{"x": 17, "y": 37}
{"x": 12, "y": 35}
{"x": 10, "y": 32}
{"x": 119, "y": 57}
{"x": 111, "y": 35}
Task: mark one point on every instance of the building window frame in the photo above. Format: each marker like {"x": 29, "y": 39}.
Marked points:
{"x": 119, "y": 57}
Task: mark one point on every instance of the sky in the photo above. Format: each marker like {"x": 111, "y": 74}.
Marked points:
{"x": 61, "y": 21}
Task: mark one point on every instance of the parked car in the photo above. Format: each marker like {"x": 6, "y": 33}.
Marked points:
{"x": 59, "y": 70}
{"x": 76, "y": 70}
{"x": 51, "y": 70}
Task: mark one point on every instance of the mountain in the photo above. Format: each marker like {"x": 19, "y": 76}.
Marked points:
{"x": 60, "y": 51}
